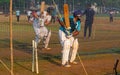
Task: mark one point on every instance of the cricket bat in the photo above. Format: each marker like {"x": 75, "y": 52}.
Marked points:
{"x": 42, "y": 7}
{"x": 66, "y": 16}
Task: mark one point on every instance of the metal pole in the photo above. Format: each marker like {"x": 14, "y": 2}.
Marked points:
{"x": 11, "y": 38}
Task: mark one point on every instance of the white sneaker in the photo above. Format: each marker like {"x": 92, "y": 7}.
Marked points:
{"x": 74, "y": 62}
{"x": 67, "y": 65}
{"x": 48, "y": 48}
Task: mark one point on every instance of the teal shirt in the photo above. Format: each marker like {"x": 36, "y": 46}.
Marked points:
{"x": 17, "y": 13}
{"x": 74, "y": 26}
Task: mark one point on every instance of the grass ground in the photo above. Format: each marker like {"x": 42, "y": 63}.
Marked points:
{"x": 98, "y": 55}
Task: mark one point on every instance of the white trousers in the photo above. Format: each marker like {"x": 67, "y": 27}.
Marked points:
{"x": 69, "y": 51}
{"x": 42, "y": 33}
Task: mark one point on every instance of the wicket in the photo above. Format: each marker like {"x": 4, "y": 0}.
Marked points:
{"x": 35, "y": 57}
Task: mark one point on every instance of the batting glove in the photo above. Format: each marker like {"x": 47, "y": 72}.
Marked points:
{"x": 69, "y": 36}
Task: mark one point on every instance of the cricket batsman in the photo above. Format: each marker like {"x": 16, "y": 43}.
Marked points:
{"x": 68, "y": 41}
{"x": 41, "y": 32}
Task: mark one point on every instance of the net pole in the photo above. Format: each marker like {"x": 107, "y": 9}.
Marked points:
{"x": 11, "y": 38}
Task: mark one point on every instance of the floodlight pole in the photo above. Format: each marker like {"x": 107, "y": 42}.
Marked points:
{"x": 11, "y": 38}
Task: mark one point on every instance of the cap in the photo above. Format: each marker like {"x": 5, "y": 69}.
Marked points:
{"x": 77, "y": 13}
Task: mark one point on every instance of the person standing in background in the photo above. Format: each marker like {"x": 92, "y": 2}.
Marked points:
{"x": 111, "y": 15}
{"x": 18, "y": 15}
{"x": 29, "y": 14}
{"x": 89, "y": 12}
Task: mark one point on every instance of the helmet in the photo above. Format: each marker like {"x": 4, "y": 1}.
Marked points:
{"x": 77, "y": 13}
{"x": 49, "y": 10}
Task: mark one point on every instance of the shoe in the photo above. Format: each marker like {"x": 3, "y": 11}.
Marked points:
{"x": 74, "y": 62}
{"x": 48, "y": 48}
{"x": 66, "y": 65}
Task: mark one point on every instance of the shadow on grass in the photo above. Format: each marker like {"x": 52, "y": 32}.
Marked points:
{"x": 17, "y": 45}
{"x": 104, "y": 51}
{"x": 22, "y": 46}
{"x": 111, "y": 74}
{"x": 27, "y": 68}
{"x": 54, "y": 59}
{"x": 27, "y": 48}
{"x": 4, "y": 43}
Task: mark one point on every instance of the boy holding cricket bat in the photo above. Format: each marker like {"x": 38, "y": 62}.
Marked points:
{"x": 39, "y": 22}
{"x": 67, "y": 38}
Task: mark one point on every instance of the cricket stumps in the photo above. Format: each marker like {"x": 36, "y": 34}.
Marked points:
{"x": 34, "y": 57}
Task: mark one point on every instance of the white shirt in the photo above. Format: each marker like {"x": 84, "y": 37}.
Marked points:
{"x": 46, "y": 17}
{"x": 41, "y": 20}
{"x": 29, "y": 13}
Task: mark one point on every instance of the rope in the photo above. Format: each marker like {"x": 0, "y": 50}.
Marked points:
{"x": 5, "y": 66}
{"x": 82, "y": 64}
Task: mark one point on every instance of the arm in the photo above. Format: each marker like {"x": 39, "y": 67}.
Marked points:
{"x": 47, "y": 22}
{"x": 75, "y": 33}
{"x": 35, "y": 14}
{"x": 78, "y": 28}
{"x": 48, "y": 19}
{"x": 60, "y": 22}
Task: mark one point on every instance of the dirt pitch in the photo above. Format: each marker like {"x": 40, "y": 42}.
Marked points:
{"x": 98, "y": 55}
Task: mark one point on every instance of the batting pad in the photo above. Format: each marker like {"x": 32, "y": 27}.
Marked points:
{"x": 66, "y": 50}
{"x": 74, "y": 50}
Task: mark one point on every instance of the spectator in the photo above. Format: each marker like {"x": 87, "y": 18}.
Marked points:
{"x": 18, "y": 15}
{"x": 89, "y": 12}
{"x": 29, "y": 14}
{"x": 111, "y": 15}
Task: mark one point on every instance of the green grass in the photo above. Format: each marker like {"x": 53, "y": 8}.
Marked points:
{"x": 103, "y": 51}
{"x": 107, "y": 15}
{"x": 106, "y": 45}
